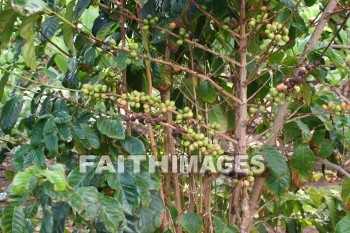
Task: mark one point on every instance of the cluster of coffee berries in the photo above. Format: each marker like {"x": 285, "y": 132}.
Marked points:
{"x": 276, "y": 32}
{"x": 280, "y": 94}
{"x": 167, "y": 106}
{"x": 292, "y": 83}
{"x": 144, "y": 118}
{"x": 97, "y": 92}
{"x": 149, "y": 21}
{"x": 259, "y": 18}
{"x": 184, "y": 34}
{"x": 184, "y": 114}
{"x": 201, "y": 142}
{"x": 137, "y": 99}
{"x": 336, "y": 109}
{"x": 254, "y": 109}
{"x": 133, "y": 53}
{"x": 250, "y": 177}
{"x": 225, "y": 23}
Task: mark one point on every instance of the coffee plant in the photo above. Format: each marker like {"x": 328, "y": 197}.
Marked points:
{"x": 88, "y": 87}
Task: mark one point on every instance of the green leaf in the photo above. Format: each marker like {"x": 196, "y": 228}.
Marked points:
{"x": 120, "y": 61}
{"x": 111, "y": 128}
{"x": 92, "y": 203}
{"x": 305, "y": 130}
{"x": 68, "y": 33}
{"x": 326, "y": 149}
{"x": 37, "y": 156}
{"x": 50, "y": 136}
{"x": 133, "y": 146}
{"x": 217, "y": 66}
{"x": 191, "y": 222}
{"x": 46, "y": 107}
{"x": 10, "y": 113}
{"x": 125, "y": 184}
{"x": 106, "y": 29}
{"x": 13, "y": 220}
{"x": 306, "y": 93}
{"x": 85, "y": 135}
{"x": 310, "y": 2}
{"x": 3, "y": 81}
{"x": 111, "y": 213}
{"x": 7, "y": 21}
{"x": 26, "y": 31}
{"x": 220, "y": 224}
{"x": 277, "y": 184}
{"x": 290, "y": 131}
{"x": 57, "y": 178}
{"x": 207, "y": 92}
{"x": 77, "y": 203}
{"x": 303, "y": 161}
{"x": 275, "y": 160}
{"x": 22, "y": 182}
{"x": 30, "y": 6}
{"x": 31, "y": 210}
{"x": 276, "y": 58}
{"x": 318, "y": 136}
{"x": 77, "y": 178}
{"x": 47, "y": 222}
{"x": 80, "y": 7}
{"x": 217, "y": 115}
{"x": 279, "y": 177}
{"x": 90, "y": 56}
{"x": 343, "y": 225}
{"x": 332, "y": 211}
{"x": 345, "y": 191}
{"x": 37, "y": 132}
{"x": 49, "y": 27}
{"x": 19, "y": 156}
{"x": 150, "y": 216}
{"x": 290, "y": 4}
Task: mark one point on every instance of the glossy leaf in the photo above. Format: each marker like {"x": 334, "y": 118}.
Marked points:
{"x": 207, "y": 92}
{"x": 133, "y": 146}
{"x": 77, "y": 178}
{"x": 345, "y": 191}
{"x": 111, "y": 128}
{"x": 21, "y": 182}
{"x": 326, "y": 149}
{"x": 191, "y": 222}
{"x": 10, "y": 113}
{"x": 3, "y": 81}
{"x": 279, "y": 177}
{"x": 111, "y": 213}
{"x": 50, "y": 136}
{"x": 80, "y": 7}
{"x": 218, "y": 116}
{"x": 7, "y": 21}
{"x": 67, "y": 29}
{"x": 30, "y": 6}
{"x": 303, "y": 161}
{"x": 343, "y": 225}
{"x": 13, "y": 220}
{"x": 49, "y": 27}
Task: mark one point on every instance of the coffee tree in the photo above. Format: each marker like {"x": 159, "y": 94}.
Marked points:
{"x": 173, "y": 80}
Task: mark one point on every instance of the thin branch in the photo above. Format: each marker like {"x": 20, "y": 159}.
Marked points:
{"x": 334, "y": 166}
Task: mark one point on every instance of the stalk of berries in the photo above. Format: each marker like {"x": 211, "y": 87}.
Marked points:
{"x": 133, "y": 55}
{"x": 275, "y": 31}
{"x": 137, "y": 99}
{"x": 336, "y": 109}
{"x": 97, "y": 92}
{"x": 149, "y": 21}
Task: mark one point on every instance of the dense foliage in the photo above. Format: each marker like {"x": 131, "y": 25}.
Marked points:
{"x": 173, "y": 77}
